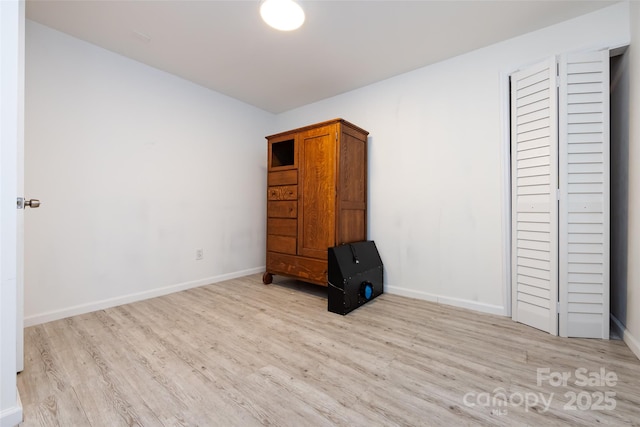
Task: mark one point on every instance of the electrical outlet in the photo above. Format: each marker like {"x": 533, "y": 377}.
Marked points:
{"x": 199, "y": 254}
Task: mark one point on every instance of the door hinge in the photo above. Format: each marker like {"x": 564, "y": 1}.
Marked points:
{"x": 557, "y": 194}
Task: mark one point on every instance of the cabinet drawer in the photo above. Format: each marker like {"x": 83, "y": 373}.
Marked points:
{"x": 283, "y": 244}
{"x": 283, "y": 192}
{"x": 282, "y": 227}
{"x": 312, "y": 270}
{"x": 277, "y": 209}
{"x": 283, "y": 177}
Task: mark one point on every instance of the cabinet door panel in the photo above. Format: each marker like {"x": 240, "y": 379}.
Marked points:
{"x": 352, "y": 188}
{"x": 317, "y": 216}
{"x": 352, "y": 226}
{"x": 353, "y": 169}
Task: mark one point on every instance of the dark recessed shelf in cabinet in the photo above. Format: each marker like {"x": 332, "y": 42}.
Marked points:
{"x": 283, "y": 153}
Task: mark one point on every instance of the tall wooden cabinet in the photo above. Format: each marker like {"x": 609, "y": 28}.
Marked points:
{"x": 316, "y": 197}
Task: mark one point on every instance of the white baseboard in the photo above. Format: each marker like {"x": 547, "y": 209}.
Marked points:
{"x": 632, "y": 342}
{"x": 456, "y": 302}
{"x": 126, "y": 299}
{"x": 12, "y": 416}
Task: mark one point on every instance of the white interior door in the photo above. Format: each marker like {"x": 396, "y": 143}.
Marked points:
{"x": 11, "y": 69}
{"x": 584, "y": 194}
{"x": 534, "y": 166}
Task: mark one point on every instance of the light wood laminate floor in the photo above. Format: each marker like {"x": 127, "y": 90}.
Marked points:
{"x": 239, "y": 353}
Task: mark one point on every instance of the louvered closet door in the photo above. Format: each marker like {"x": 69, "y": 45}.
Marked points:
{"x": 534, "y": 201}
{"x": 584, "y": 195}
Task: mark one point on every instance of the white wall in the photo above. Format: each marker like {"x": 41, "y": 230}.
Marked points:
{"x": 436, "y": 160}
{"x": 632, "y": 321}
{"x": 136, "y": 169}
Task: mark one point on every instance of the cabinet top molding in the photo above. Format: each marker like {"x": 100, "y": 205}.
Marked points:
{"x": 315, "y": 125}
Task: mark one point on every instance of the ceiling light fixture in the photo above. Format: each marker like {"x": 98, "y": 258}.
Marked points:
{"x": 283, "y": 15}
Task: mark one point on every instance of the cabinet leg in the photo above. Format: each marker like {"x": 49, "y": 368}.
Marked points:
{"x": 267, "y": 278}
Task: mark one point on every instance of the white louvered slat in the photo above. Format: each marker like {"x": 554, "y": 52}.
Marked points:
{"x": 584, "y": 195}
{"x": 534, "y": 207}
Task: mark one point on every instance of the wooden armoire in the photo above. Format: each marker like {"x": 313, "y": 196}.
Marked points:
{"x": 316, "y": 197}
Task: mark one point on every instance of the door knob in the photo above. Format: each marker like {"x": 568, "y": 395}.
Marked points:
{"x": 33, "y": 203}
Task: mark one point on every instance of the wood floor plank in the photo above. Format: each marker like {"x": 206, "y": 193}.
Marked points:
{"x": 239, "y": 353}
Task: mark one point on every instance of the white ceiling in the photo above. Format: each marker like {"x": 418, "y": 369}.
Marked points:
{"x": 343, "y": 45}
